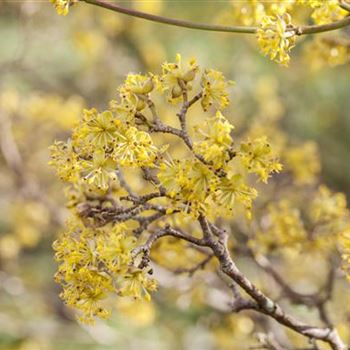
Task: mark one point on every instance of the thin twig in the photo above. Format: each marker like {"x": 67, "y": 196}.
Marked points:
{"x": 299, "y": 30}
{"x": 200, "y": 266}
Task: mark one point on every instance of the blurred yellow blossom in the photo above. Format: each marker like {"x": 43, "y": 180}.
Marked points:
{"x": 303, "y": 161}
{"x": 62, "y": 6}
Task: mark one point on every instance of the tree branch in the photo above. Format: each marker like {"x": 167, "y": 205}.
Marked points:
{"x": 264, "y": 304}
{"x": 344, "y": 5}
{"x": 300, "y": 30}
{"x": 166, "y": 231}
{"x": 171, "y": 21}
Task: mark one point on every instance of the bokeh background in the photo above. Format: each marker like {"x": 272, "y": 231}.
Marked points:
{"x": 50, "y": 68}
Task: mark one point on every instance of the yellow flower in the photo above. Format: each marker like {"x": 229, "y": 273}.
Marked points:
{"x": 327, "y": 51}
{"x": 232, "y": 190}
{"x": 137, "y": 284}
{"x": 134, "y": 92}
{"x": 126, "y": 109}
{"x": 100, "y": 170}
{"x": 251, "y": 12}
{"x": 190, "y": 182}
{"x": 96, "y": 263}
{"x": 281, "y": 227}
{"x": 171, "y": 176}
{"x": 62, "y": 6}
{"x": 101, "y": 128}
{"x": 276, "y": 37}
{"x": 177, "y": 75}
{"x": 135, "y": 149}
{"x": 65, "y": 160}
{"x": 216, "y": 141}
{"x": 257, "y": 157}
{"x": 215, "y": 91}
{"x": 248, "y": 12}
{"x": 325, "y": 11}
{"x": 303, "y": 161}
{"x": 328, "y": 206}
{"x": 138, "y": 84}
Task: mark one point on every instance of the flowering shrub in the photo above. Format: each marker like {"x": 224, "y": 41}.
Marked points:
{"x": 140, "y": 186}
{"x": 211, "y": 179}
{"x": 163, "y": 177}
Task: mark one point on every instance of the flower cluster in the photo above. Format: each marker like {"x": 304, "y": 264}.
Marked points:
{"x": 276, "y": 37}
{"x": 176, "y": 76}
{"x": 328, "y": 206}
{"x": 214, "y": 90}
{"x": 282, "y": 227}
{"x": 324, "y": 11}
{"x": 330, "y": 216}
{"x": 276, "y": 34}
{"x": 100, "y": 143}
{"x": 257, "y": 157}
{"x": 327, "y": 51}
{"x": 95, "y": 263}
{"x": 317, "y": 224}
{"x": 303, "y": 162}
{"x": 216, "y": 143}
{"x": 62, "y": 6}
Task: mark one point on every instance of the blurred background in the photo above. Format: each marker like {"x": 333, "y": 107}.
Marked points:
{"x": 51, "y": 67}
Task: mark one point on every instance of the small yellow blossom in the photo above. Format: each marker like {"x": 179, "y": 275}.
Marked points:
{"x": 99, "y": 170}
{"x": 248, "y": 12}
{"x": 216, "y": 140}
{"x": 171, "y": 176}
{"x": 135, "y": 90}
{"x": 330, "y": 218}
{"x": 303, "y": 162}
{"x": 126, "y": 109}
{"x": 138, "y": 84}
{"x": 232, "y": 191}
{"x": 189, "y": 182}
{"x": 177, "y": 75}
{"x": 327, "y": 51}
{"x": 282, "y": 227}
{"x": 328, "y": 206}
{"x": 325, "y": 11}
{"x": 62, "y": 6}
{"x": 215, "y": 91}
{"x": 257, "y": 157}
{"x": 135, "y": 149}
{"x": 137, "y": 284}
{"x": 65, "y": 160}
{"x": 100, "y": 129}
{"x": 251, "y": 12}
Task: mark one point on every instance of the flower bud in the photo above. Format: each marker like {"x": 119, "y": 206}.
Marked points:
{"x": 140, "y": 105}
{"x": 148, "y": 87}
{"x": 176, "y": 91}
{"x": 189, "y": 76}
